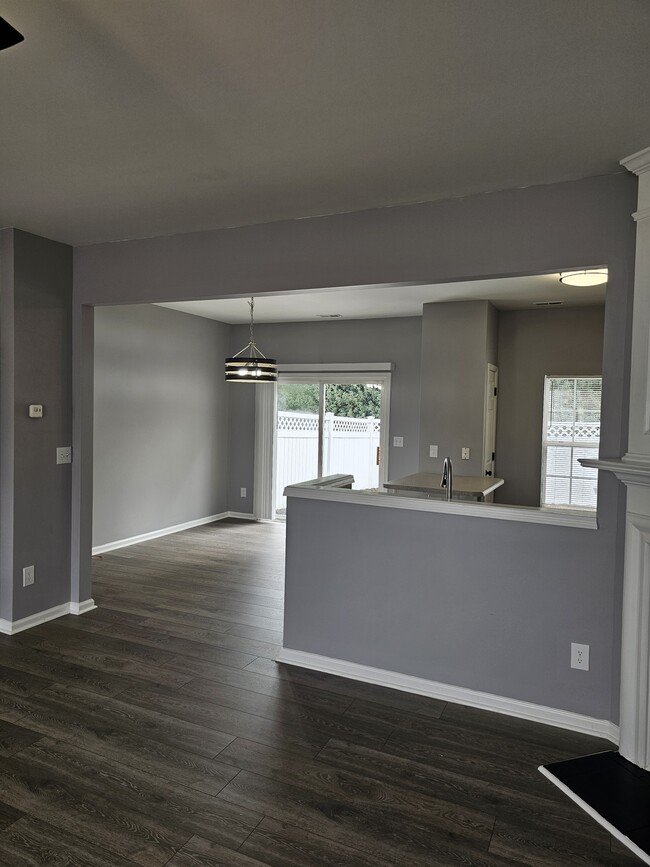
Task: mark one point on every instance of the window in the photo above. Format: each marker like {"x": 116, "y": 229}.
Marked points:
{"x": 571, "y": 431}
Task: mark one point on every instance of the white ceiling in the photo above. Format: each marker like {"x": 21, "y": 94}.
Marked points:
{"x": 380, "y": 302}
{"x": 131, "y": 118}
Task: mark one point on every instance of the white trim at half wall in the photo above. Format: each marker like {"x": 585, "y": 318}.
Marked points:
{"x": 457, "y": 694}
{"x": 9, "y": 627}
{"x": 167, "y": 531}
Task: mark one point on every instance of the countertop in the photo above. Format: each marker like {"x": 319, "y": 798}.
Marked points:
{"x": 427, "y": 483}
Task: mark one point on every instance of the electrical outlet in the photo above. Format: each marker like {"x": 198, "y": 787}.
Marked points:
{"x": 36, "y": 410}
{"x": 242, "y": 492}
{"x": 64, "y": 455}
{"x": 28, "y": 576}
{"x": 464, "y": 454}
{"x": 398, "y": 442}
{"x": 433, "y": 451}
{"x": 580, "y": 656}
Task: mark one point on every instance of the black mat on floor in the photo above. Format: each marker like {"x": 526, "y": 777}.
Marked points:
{"x": 614, "y": 788}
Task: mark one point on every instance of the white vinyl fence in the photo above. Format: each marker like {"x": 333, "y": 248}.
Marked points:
{"x": 349, "y": 446}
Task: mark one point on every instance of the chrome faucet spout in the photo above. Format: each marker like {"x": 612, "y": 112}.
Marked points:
{"x": 446, "y": 481}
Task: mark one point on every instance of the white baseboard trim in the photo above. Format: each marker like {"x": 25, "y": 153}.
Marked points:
{"x": 459, "y": 695}
{"x": 82, "y": 607}
{"x": 619, "y": 835}
{"x": 244, "y": 516}
{"x": 9, "y": 627}
{"x": 164, "y": 531}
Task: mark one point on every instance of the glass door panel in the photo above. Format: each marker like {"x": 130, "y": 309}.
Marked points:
{"x": 351, "y": 431}
{"x": 298, "y": 447}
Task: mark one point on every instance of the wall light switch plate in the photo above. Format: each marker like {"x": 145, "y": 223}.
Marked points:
{"x": 64, "y": 455}
{"x": 464, "y": 454}
{"x": 242, "y": 492}
{"x": 36, "y": 410}
{"x": 433, "y": 451}
{"x": 398, "y": 442}
{"x": 28, "y": 576}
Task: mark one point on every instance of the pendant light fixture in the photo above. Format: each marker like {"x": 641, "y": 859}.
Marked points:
{"x": 250, "y": 364}
{"x": 9, "y": 36}
{"x": 590, "y": 277}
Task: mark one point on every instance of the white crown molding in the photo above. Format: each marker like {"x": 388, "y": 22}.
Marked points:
{"x": 456, "y": 694}
{"x": 524, "y": 514}
{"x": 638, "y": 162}
{"x": 620, "y": 836}
{"x": 11, "y": 627}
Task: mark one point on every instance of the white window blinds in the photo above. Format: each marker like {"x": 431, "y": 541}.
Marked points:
{"x": 571, "y": 431}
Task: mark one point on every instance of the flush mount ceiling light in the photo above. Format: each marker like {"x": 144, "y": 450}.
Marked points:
{"x": 9, "y": 35}
{"x": 250, "y": 364}
{"x": 590, "y": 277}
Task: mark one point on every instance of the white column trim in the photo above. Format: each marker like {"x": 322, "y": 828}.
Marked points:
{"x": 634, "y": 471}
{"x": 265, "y": 445}
{"x": 635, "y": 646}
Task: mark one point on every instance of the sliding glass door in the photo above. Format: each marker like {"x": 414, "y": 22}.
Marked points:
{"x": 330, "y": 425}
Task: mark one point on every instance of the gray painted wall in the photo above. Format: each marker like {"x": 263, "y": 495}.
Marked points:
{"x": 483, "y": 604}
{"x": 537, "y": 229}
{"x": 36, "y": 293}
{"x": 353, "y": 341}
{"x": 534, "y": 344}
{"x": 458, "y": 340}
{"x": 161, "y": 420}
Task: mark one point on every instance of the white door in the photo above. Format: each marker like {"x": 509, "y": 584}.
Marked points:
{"x": 490, "y": 432}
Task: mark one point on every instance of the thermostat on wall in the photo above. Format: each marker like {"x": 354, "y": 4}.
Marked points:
{"x": 36, "y": 410}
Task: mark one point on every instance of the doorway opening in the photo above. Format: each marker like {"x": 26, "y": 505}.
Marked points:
{"x": 327, "y": 425}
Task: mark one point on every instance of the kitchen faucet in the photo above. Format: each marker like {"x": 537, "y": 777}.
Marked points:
{"x": 446, "y": 481}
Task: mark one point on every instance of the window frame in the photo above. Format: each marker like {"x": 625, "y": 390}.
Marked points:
{"x": 566, "y": 443}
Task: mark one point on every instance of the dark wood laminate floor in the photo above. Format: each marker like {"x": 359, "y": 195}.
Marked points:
{"x": 159, "y": 730}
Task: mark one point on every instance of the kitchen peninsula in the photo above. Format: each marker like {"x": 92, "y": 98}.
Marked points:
{"x": 469, "y": 487}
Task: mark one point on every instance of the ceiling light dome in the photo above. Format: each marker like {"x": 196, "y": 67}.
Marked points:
{"x": 585, "y": 277}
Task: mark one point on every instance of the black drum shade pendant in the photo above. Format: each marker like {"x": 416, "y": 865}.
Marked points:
{"x": 9, "y": 35}
{"x": 250, "y": 364}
